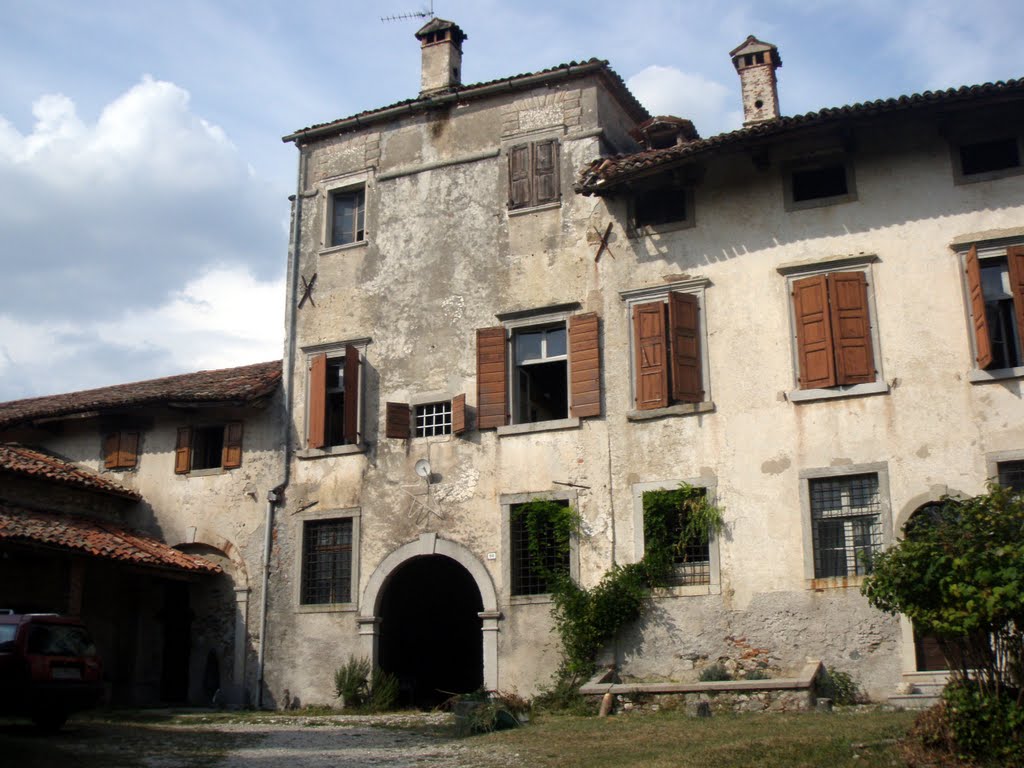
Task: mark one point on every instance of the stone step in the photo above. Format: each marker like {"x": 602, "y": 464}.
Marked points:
{"x": 913, "y": 701}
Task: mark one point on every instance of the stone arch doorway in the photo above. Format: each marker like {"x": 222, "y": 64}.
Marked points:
{"x": 431, "y": 631}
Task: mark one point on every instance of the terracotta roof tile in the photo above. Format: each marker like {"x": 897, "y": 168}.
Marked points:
{"x": 95, "y": 538}
{"x": 604, "y": 174}
{"x": 244, "y": 384}
{"x": 22, "y": 460}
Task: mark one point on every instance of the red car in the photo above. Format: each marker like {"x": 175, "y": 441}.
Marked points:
{"x": 49, "y": 667}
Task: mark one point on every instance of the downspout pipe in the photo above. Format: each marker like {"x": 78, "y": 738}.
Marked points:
{"x": 275, "y": 497}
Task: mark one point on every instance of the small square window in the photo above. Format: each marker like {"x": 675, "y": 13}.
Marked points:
{"x": 348, "y": 216}
{"x": 1011, "y": 474}
{"x": 846, "y": 524}
{"x": 433, "y": 419}
{"x": 658, "y": 207}
{"x": 215, "y": 446}
{"x": 327, "y": 561}
{"x": 810, "y": 185}
{"x": 989, "y": 156}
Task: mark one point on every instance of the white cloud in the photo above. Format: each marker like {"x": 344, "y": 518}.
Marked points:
{"x": 670, "y": 91}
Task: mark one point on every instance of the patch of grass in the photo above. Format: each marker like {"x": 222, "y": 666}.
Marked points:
{"x": 672, "y": 740}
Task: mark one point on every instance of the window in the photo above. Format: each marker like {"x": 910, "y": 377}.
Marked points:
{"x": 217, "y": 446}
{"x": 995, "y": 289}
{"x": 533, "y": 567}
{"x": 545, "y": 366}
{"x": 432, "y": 419}
{"x": 1011, "y": 474}
{"x": 533, "y": 174}
{"x": 846, "y": 522}
{"x": 810, "y": 185}
{"x": 348, "y": 216}
{"x": 667, "y": 342}
{"x": 327, "y": 561}
{"x": 333, "y": 408}
{"x": 121, "y": 450}
{"x": 662, "y": 209}
{"x": 992, "y": 157}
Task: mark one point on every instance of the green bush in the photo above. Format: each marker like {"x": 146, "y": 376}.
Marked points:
{"x": 757, "y": 674}
{"x": 714, "y": 673}
{"x": 383, "y": 690}
{"x": 985, "y": 727}
{"x": 350, "y": 682}
{"x": 838, "y": 686}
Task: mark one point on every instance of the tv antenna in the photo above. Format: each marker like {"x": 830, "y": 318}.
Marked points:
{"x": 424, "y": 14}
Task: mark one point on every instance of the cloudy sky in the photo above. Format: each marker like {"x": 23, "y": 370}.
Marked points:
{"x": 144, "y": 184}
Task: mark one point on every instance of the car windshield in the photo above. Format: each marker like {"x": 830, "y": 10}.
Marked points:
{"x": 60, "y": 640}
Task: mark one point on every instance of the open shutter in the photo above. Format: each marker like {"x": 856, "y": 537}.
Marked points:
{"x": 128, "y": 450}
{"x": 397, "y": 420}
{"x": 111, "y": 446}
{"x": 813, "y": 333}
{"x": 584, "y": 366}
{"x": 458, "y": 414}
{"x": 316, "y": 428}
{"x": 851, "y": 328}
{"x": 231, "y": 453}
{"x": 351, "y": 425}
{"x": 684, "y": 344}
{"x": 545, "y": 171}
{"x": 651, "y": 355}
{"x": 519, "y": 177}
{"x": 1015, "y": 262}
{"x": 183, "y": 451}
{"x": 491, "y": 378}
{"x": 982, "y": 341}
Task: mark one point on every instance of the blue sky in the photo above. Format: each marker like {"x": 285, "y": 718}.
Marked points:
{"x": 144, "y": 183}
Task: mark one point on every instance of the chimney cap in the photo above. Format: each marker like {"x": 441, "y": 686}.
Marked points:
{"x": 752, "y": 46}
{"x": 436, "y": 25}
{"x": 664, "y": 131}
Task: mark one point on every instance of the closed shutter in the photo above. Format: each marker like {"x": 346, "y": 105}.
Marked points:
{"x": 111, "y": 446}
{"x": 584, "y": 366}
{"x": 813, "y": 333}
{"x": 351, "y": 424}
{"x": 316, "y": 428}
{"x": 458, "y": 414}
{"x": 651, "y": 355}
{"x": 396, "y": 420}
{"x": 982, "y": 341}
{"x": 1015, "y": 262}
{"x": 851, "y": 328}
{"x": 491, "y": 378}
{"x": 519, "y": 177}
{"x": 128, "y": 451}
{"x": 684, "y": 344}
{"x": 545, "y": 171}
{"x": 231, "y": 453}
{"x": 183, "y": 451}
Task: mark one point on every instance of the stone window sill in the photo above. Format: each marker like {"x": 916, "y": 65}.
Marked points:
{"x": 545, "y": 599}
{"x": 534, "y": 209}
{"x": 835, "y": 582}
{"x": 334, "y": 450}
{"x": 328, "y": 608}
{"x": 978, "y": 376}
{"x": 855, "y": 390}
{"x": 539, "y": 426}
{"x": 687, "y": 590}
{"x": 680, "y": 409}
{"x": 346, "y": 247}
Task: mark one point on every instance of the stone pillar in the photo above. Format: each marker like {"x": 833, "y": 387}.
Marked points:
{"x": 490, "y": 640}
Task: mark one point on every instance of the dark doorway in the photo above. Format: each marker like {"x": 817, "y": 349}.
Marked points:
{"x": 177, "y": 630}
{"x": 430, "y": 631}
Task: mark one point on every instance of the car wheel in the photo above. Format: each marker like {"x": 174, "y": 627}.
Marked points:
{"x": 50, "y": 720}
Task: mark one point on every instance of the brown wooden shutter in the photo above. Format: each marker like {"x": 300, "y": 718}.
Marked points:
{"x": 813, "y": 333}
{"x": 128, "y": 451}
{"x": 584, "y": 366}
{"x": 458, "y": 414}
{"x": 982, "y": 341}
{"x": 684, "y": 345}
{"x": 545, "y": 171}
{"x": 1015, "y": 263}
{"x": 350, "y": 427}
{"x": 183, "y": 451}
{"x": 231, "y": 453}
{"x": 491, "y": 378}
{"x": 851, "y": 328}
{"x": 316, "y": 428}
{"x": 111, "y": 448}
{"x": 651, "y": 354}
{"x": 397, "y": 420}
{"x": 519, "y": 177}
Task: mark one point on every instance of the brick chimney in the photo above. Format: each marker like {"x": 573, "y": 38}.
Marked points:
{"x": 756, "y": 62}
{"x": 441, "y": 43}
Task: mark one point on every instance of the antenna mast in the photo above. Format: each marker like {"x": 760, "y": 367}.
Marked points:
{"x": 424, "y": 14}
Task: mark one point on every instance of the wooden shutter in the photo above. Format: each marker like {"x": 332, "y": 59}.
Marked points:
{"x": 651, "y": 355}
{"x": 111, "y": 443}
{"x": 545, "y": 171}
{"x": 851, "y": 327}
{"x": 519, "y": 177}
{"x": 1015, "y": 263}
{"x": 397, "y": 420}
{"x": 316, "y": 427}
{"x": 458, "y": 414}
{"x": 982, "y": 341}
{"x": 684, "y": 347}
{"x": 183, "y": 451}
{"x": 128, "y": 450}
{"x": 350, "y": 426}
{"x": 491, "y": 378}
{"x": 231, "y": 453}
{"x": 584, "y": 366}
{"x": 813, "y": 333}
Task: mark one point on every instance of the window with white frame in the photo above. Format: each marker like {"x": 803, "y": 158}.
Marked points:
{"x": 994, "y": 275}
{"x": 347, "y": 215}
{"x": 540, "y": 378}
{"x": 846, "y": 523}
{"x": 433, "y": 419}
{"x": 333, "y": 396}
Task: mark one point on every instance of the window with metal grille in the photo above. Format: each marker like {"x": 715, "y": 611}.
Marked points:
{"x": 691, "y": 557}
{"x": 847, "y": 524}
{"x": 434, "y": 419}
{"x": 531, "y": 571}
{"x": 1011, "y": 474}
{"x": 327, "y": 561}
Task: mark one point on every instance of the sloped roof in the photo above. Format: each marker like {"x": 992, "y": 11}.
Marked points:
{"x": 245, "y": 384}
{"x": 95, "y": 538}
{"x": 604, "y": 174}
{"x": 462, "y": 93}
{"x": 31, "y": 462}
